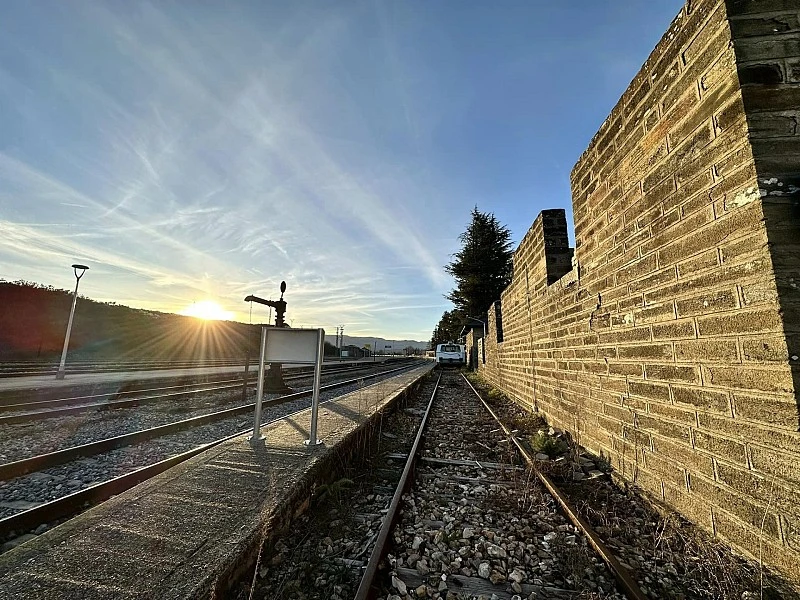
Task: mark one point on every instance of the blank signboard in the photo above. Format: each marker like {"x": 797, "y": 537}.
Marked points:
{"x": 286, "y": 345}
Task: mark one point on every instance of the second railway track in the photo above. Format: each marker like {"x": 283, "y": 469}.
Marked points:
{"x": 72, "y": 470}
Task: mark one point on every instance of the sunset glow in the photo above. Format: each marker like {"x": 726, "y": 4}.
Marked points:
{"x": 208, "y": 310}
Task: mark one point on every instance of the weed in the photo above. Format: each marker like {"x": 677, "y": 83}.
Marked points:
{"x": 541, "y": 442}
{"x": 496, "y": 395}
{"x": 334, "y": 492}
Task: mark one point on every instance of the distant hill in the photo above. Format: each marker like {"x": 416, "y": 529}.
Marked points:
{"x": 33, "y": 320}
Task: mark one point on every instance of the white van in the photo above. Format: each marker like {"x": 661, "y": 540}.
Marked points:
{"x": 451, "y": 355}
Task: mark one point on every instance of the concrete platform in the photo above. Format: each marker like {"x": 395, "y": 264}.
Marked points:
{"x": 189, "y": 531}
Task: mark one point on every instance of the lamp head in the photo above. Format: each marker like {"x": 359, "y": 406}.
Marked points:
{"x": 81, "y": 268}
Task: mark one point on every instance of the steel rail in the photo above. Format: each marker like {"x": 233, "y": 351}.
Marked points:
{"x": 113, "y": 367}
{"x": 52, "y": 459}
{"x": 112, "y": 388}
{"x": 621, "y": 574}
{"x": 371, "y": 570}
{"x": 73, "y": 503}
{"x": 75, "y": 408}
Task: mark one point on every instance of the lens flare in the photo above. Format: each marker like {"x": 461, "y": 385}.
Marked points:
{"x": 208, "y": 310}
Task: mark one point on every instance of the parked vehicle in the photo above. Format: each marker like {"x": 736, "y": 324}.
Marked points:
{"x": 454, "y": 355}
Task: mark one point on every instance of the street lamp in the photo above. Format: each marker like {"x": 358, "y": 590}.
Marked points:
{"x": 479, "y": 321}
{"x": 82, "y": 268}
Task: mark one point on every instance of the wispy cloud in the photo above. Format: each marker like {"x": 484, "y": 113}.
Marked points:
{"x": 205, "y": 168}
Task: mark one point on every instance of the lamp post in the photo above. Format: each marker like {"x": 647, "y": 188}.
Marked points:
{"x": 82, "y": 268}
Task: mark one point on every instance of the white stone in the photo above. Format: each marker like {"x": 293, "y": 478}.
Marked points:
{"x": 484, "y": 570}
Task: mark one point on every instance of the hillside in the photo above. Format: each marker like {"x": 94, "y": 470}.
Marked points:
{"x": 33, "y": 320}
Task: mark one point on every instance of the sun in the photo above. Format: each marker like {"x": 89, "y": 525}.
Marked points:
{"x": 208, "y": 310}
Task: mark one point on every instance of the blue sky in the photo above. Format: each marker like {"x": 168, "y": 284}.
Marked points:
{"x": 194, "y": 151}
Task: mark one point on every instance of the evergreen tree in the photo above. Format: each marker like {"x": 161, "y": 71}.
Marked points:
{"x": 448, "y": 328}
{"x": 482, "y": 268}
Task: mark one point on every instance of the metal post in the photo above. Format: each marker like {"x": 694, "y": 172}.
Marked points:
{"x": 257, "y": 439}
{"x": 313, "y": 440}
{"x": 62, "y": 365}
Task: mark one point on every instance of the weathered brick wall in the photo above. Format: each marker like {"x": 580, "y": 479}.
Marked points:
{"x": 671, "y": 347}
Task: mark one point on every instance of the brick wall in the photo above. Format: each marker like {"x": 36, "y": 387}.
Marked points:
{"x": 670, "y": 347}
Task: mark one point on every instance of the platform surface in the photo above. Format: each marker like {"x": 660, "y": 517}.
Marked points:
{"x": 173, "y": 535}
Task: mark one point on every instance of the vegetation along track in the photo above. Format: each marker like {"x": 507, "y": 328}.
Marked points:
{"x": 73, "y": 475}
{"x": 476, "y": 521}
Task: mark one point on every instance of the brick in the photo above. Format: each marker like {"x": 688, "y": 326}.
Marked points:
{"x": 653, "y": 314}
{"x": 673, "y": 413}
{"x": 666, "y": 469}
{"x": 690, "y": 267}
{"x": 741, "y": 321}
{"x": 652, "y": 391}
{"x": 762, "y": 488}
{"x": 663, "y": 427}
{"x": 736, "y": 273}
{"x": 754, "y": 244}
{"x": 766, "y": 409}
{"x": 674, "y": 330}
{"x": 728, "y": 449}
{"x": 707, "y": 302}
{"x": 625, "y": 369}
{"x": 637, "y": 269}
{"x": 749, "y": 378}
{"x": 639, "y": 439}
{"x": 744, "y": 509}
{"x": 672, "y": 373}
{"x": 746, "y": 218}
{"x": 715, "y": 23}
{"x": 763, "y": 292}
{"x": 683, "y": 455}
{"x": 779, "y": 464}
{"x": 706, "y": 350}
{"x": 702, "y": 399}
{"x": 635, "y": 334}
{"x": 645, "y": 351}
{"x": 764, "y": 349}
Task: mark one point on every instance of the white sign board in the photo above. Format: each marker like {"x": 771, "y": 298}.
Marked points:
{"x": 287, "y": 345}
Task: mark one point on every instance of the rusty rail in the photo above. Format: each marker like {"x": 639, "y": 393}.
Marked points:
{"x": 621, "y": 574}
{"x": 371, "y": 570}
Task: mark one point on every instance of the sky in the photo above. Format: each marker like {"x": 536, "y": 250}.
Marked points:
{"x": 196, "y": 152}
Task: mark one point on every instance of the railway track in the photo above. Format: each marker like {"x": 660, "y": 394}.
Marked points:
{"x": 46, "y": 466}
{"x": 48, "y": 409}
{"x": 25, "y": 369}
{"x": 448, "y": 509}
